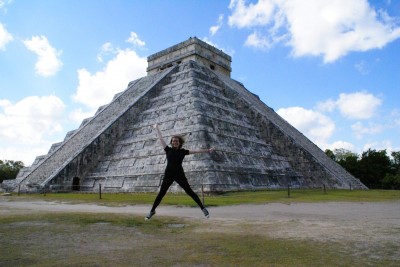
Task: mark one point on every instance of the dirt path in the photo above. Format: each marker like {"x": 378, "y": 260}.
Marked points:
{"x": 365, "y": 232}
{"x": 321, "y": 221}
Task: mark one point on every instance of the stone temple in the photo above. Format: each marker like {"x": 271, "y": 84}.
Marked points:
{"x": 188, "y": 91}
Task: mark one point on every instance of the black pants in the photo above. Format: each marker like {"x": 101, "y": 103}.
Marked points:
{"x": 182, "y": 181}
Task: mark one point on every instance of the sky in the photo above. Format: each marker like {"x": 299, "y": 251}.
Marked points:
{"x": 331, "y": 68}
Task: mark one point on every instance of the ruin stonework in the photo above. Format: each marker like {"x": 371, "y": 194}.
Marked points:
{"x": 188, "y": 91}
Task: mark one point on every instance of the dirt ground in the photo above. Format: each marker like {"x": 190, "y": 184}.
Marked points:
{"x": 319, "y": 221}
{"x": 371, "y": 225}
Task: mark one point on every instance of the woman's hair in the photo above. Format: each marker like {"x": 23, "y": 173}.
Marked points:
{"x": 180, "y": 138}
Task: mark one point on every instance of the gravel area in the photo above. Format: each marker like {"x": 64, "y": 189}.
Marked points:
{"x": 308, "y": 220}
{"x": 371, "y": 225}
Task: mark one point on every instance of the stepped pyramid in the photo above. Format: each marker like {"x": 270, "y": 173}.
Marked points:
{"x": 188, "y": 91}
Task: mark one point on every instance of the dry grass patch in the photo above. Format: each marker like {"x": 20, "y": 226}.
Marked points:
{"x": 79, "y": 239}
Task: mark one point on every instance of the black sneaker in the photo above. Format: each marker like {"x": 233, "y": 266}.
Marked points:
{"x": 151, "y": 213}
{"x": 206, "y": 213}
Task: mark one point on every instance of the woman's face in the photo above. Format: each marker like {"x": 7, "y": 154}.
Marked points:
{"x": 175, "y": 142}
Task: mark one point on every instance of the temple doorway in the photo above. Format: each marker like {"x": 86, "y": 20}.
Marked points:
{"x": 76, "y": 184}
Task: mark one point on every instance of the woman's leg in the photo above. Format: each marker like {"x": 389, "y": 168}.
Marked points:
{"x": 183, "y": 182}
{"x": 166, "y": 183}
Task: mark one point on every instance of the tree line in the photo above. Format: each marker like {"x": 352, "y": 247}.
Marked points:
{"x": 9, "y": 169}
{"x": 375, "y": 169}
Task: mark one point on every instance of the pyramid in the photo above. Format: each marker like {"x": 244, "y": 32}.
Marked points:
{"x": 187, "y": 91}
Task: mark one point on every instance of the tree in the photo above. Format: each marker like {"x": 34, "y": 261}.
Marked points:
{"x": 391, "y": 181}
{"x": 374, "y": 166}
{"x": 9, "y": 169}
{"x": 341, "y": 154}
{"x": 330, "y": 154}
{"x": 346, "y": 159}
{"x": 350, "y": 162}
{"x": 396, "y": 162}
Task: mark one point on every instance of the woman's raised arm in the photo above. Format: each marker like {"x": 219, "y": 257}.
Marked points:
{"x": 160, "y": 135}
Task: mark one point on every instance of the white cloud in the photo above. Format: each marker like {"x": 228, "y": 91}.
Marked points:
{"x": 360, "y": 130}
{"x": 48, "y": 62}
{"x": 395, "y": 118}
{"x": 258, "y": 14}
{"x": 330, "y": 29}
{"x": 257, "y": 40}
{"x": 106, "y": 49}
{"x": 214, "y": 29}
{"x": 4, "y": 3}
{"x": 5, "y": 37}
{"x": 340, "y": 144}
{"x": 31, "y": 118}
{"x": 358, "y": 105}
{"x": 5, "y": 103}
{"x": 380, "y": 145}
{"x": 134, "y": 39}
{"x": 362, "y": 67}
{"x": 316, "y": 126}
{"x": 99, "y": 88}
{"x": 26, "y": 125}
{"x": 25, "y": 153}
{"x": 326, "y": 106}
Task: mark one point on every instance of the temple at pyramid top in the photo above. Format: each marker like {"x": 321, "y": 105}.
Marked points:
{"x": 191, "y": 49}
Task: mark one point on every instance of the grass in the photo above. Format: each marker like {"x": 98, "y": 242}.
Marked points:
{"x": 228, "y": 198}
{"x": 76, "y": 239}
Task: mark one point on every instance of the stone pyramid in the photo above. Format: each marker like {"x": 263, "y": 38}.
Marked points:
{"x": 188, "y": 91}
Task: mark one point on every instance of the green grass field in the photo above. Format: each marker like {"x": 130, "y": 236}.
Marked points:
{"x": 229, "y": 198}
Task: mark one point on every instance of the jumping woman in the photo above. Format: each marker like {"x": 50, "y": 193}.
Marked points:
{"x": 174, "y": 171}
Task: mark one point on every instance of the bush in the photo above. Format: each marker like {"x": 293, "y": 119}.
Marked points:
{"x": 391, "y": 181}
{"x": 9, "y": 169}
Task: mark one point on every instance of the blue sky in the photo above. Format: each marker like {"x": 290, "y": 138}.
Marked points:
{"x": 330, "y": 68}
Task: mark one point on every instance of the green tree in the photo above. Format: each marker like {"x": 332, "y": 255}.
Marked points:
{"x": 396, "y": 162}
{"x": 391, "y": 181}
{"x": 374, "y": 166}
{"x": 330, "y": 154}
{"x": 9, "y": 169}
{"x": 350, "y": 161}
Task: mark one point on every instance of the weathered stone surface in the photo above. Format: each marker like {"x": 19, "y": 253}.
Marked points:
{"x": 118, "y": 150}
{"x": 190, "y": 50}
